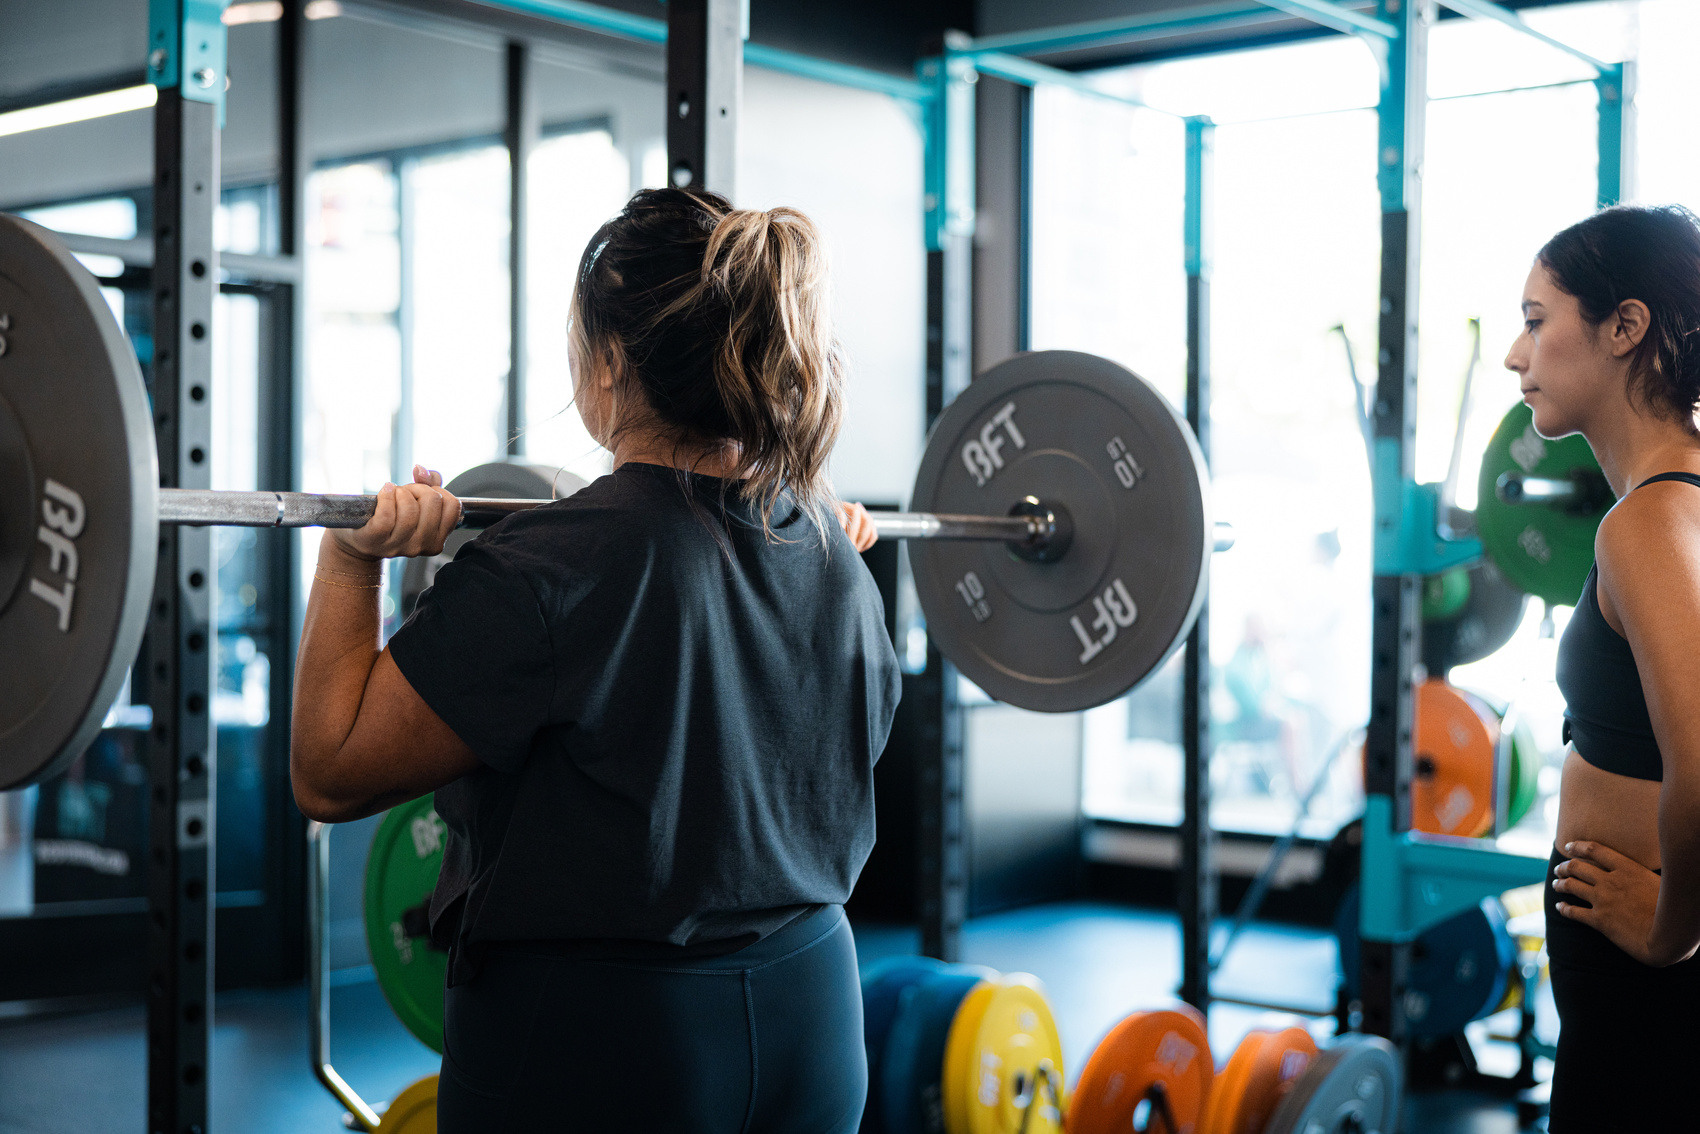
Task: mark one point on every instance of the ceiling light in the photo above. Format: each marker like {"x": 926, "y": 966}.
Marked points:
{"x": 271, "y": 11}
{"x": 77, "y": 109}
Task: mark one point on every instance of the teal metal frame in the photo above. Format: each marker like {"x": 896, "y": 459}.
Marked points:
{"x": 187, "y": 49}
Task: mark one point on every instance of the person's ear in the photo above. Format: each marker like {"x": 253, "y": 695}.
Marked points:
{"x": 1633, "y": 320}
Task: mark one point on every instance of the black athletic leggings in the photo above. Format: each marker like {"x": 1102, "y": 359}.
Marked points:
{"x": 1629, "y": 1035}
{"x": 767, "y": 1039}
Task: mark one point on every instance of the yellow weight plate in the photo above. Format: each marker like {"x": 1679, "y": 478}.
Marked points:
{"x": 414, "y": 1111}
{"x": 1003, "y": 1044}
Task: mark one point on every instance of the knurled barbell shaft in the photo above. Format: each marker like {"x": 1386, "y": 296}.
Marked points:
{"x": 313, "y": 510}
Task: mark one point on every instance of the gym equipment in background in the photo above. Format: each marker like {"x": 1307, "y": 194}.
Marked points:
{"x": 1086, "y": 521}
{"x": 1538, "y": 505}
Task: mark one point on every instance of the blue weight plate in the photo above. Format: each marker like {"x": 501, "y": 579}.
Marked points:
{"x": 1459, "y": 967}
{"x": 881, "y": 988}
{"x": 913, "y": 1061}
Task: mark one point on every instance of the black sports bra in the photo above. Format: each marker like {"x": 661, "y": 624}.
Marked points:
{"x": 1605, "y": 713}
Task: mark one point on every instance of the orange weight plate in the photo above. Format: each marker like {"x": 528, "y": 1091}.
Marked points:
{"x": 1456, "y": 737}
{"x": 1149, "y": 1062}
{"x": 1258, "y": 1076}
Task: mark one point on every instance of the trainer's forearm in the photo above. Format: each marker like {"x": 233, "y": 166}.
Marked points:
{"x": 339, "y": 647}
{"x": 1676, "y": 925}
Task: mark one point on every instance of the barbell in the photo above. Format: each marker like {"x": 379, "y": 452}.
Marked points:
{"x": 1061, "y": 518}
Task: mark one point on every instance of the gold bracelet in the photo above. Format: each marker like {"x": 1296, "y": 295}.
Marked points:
{"x": 347, "y": 586}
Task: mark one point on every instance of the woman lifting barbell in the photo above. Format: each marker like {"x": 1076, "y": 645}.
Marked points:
{"x": 1611, "y": 349}
{"x": 650, "y": 711}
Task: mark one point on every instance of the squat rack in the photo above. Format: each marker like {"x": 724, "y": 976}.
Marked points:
{"x": 1417, "y": 881}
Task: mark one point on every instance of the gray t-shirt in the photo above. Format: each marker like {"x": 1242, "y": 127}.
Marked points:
{"x": 677, "y": 721}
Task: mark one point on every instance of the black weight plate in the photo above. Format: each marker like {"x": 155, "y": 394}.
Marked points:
{"x": 1352, "y": 1087}
{"x": 1490, "y": 616}
{"x": 1081, "y": 432}
{"x": 69, "y": 380}
{"x": 500, "y": 480}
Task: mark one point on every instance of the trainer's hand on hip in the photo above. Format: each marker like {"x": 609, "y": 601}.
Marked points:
{"x": 411, "y": 519}
{"x": 1623, "y": 896}
{"x": 857, "y": 525}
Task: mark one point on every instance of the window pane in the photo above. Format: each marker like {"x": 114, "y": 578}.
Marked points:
{"x": 577, "y": 181}
{"x": 111, "y": 217}
{"x": 457, "y": 264}
{"x": 1102, "y": 281}
{"x": 352, "y": 381}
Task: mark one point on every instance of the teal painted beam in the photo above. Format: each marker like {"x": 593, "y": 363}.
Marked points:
{"x": 1487, "y": 10}
{"x": 589, "y": 17}
{"x": 1028, "y": 73}
{"x": 1412, "y": 882}
{"x": 1331, "y": 15}
{"x": 1616, "y": 88}
{"x": 187, "y": 49}
{"x": 827, "y": 71}
{"x": 1128, "y": 29}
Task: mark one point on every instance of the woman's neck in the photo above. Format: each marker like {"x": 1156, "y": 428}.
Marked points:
{"x": 650, "y": 449}
{"x": 1635, "y": 444}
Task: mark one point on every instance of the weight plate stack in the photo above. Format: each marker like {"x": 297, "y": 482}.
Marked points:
{"x": 1002, "y": 1060}
{"x": 882, "y": 991}
{"x": 1258, "y": 1076}
{"x": 1352, "y": 1087}
{"x": 1099, "y": 447}
{"x": 401, "y": 872}
{"x": 78, "y": 505}
{"x": 1545, "y": 549}
{"x": 503, "y": 480}
{"x": 912, "y": 1066}
{"x": 1148, "y": 1061}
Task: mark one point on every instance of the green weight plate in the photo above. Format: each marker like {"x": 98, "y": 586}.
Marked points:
{"x": 1095, "y": 441}
{"x": 506, "y": 480}
{"x": 1445, "y": 594}
{"x": 1351, "y": 1087}
{"x": 1544, "y": 549}
{"x": 1525, "y": 778}
{"x": 401, "y": 872}
{"x": 78, "y": 505}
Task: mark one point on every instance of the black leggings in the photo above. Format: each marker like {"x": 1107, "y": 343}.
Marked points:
{"x": 1629, "y": 1036}
{"x": 768, "y": 1039}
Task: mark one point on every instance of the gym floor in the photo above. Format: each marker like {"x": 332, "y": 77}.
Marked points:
{"x": 1097, "y": 961}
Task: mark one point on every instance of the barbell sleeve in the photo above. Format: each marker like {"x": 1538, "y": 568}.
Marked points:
{"x": 1513, "y": 488}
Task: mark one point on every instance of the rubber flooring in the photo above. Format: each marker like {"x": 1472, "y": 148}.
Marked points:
{"x": 84, "y": 1072}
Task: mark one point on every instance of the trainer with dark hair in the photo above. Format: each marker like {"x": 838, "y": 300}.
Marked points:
{"x": 650, "y": 711}
{"x": 1611, "y": 350}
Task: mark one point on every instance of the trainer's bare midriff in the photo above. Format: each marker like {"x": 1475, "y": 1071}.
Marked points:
{"x": 1621, "y": 812}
